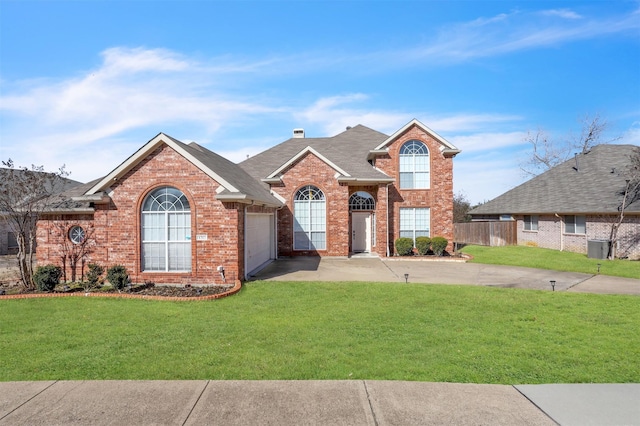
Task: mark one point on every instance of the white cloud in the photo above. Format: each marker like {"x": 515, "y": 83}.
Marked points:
{"x": 562, "y": 13}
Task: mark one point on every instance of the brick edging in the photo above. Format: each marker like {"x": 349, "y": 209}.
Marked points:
{"x": 236, "y": 288}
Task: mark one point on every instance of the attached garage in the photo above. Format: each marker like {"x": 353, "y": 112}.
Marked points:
{"x": 259, "y": 241}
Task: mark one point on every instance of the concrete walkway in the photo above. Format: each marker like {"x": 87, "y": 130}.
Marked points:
{"x": 375, "y": 269}
{"x": 202, "y": 402}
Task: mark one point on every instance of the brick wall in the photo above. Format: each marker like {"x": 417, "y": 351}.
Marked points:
{"x": 117, "y": 225}
{"x": 551, "y": 234}
{"x": 439, "y": 198}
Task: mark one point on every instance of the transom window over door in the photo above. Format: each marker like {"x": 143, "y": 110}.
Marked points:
{"x": 309, "y": 213}
{"x": 414, "y": 165}
{"x": 166, "y": 231}
{"x": 361, "y": 201}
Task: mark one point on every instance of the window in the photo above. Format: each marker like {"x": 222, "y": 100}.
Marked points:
{"x": 530, "y": 222}
{"x": 415, "y": 222}
{"x": 414, "y": 165}
{"x": 76, "y": 234}
{"x": 309, "y": 214}
{"x": 166, "y": 231}
{"x": 12, "y": 241}
{"x": 575, "y": 225}
{"x": 361, "y": 201}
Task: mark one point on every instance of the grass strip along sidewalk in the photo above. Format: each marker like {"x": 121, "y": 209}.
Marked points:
{"x": 534, "y": 257}
{"x": 319, "y": 330}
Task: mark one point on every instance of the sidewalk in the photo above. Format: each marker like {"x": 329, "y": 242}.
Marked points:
{"x": 367, "y": 402}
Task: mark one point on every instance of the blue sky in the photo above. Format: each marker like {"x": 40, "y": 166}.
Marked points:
{"x": 86, "y": 83}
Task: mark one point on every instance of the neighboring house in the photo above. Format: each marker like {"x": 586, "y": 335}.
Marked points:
{"x": 8, "y": 238}
{"x": 178, "y": 213}
{"x": 573, "y": 203}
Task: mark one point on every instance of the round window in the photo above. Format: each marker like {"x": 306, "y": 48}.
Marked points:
{"x": 76, "y": 234}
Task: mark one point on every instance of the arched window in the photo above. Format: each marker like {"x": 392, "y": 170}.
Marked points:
{"x": 166, "y": 231}
{"x": 309, "y": 213}
{"x": 361, "y": 201}
{"x": 414, "y": 165}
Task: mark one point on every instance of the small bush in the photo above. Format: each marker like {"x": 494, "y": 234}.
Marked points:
{"x": 47, "y": 277}
{"x": 404, "y": 246}
{"x": 117, "y": 276}
{"x": 93, "y": 277}
{"x": 423, "y": 244}
{"x": 438, "y": 245}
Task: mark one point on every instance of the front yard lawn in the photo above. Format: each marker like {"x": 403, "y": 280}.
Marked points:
{"x": 319, "y": 330}
{"x": 535, "y": 257}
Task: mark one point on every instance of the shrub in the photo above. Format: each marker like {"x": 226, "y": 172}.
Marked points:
{"x": 423, "y": 244}
{"x": 47, "y": 277}
{"x": 438, "y": 245}
{"x": 404, "y": 246}
{"x": 117, "y": 277}
{"x": 94, "y": 276}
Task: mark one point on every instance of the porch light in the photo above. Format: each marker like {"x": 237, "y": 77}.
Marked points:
{"x": 406, "y": 278}
{"x": 553, "y": 285}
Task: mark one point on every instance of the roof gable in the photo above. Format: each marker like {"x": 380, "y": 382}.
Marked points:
{"x": 448, "y": 148}
{"x": 236, "y": 184}
{"x": 301, "y": 154}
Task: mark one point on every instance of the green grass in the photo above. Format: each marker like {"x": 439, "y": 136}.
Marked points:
{"x": 275, "y": 330}
{"x": 535, "y": 257}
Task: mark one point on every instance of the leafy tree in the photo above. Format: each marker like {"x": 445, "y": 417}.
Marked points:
{"x": 24, "y": 194}
{"x": 461, "y": 207}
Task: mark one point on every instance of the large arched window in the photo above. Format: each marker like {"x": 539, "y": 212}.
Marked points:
{"x": 414, "y": 165}
{"x": 361, "y": 201}
{"x": 309, "y": 213}
{"x": 166, "y": 231}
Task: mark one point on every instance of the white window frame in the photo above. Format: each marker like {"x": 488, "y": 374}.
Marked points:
{"x": 575, "y": 224}
{"x": 414, "y": 165}
{"x": 309, "y": 219}
{"x": 409, "y": 217}
{"x": 165, "y": 228}
{"x": 530, "y": 222}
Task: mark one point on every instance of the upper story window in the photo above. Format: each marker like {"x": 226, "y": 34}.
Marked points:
{"x": 414, "y": 165}
{"x": 309, "y": 214}
{"x": 361, "y": 201}
{"x": 166, "y": 231}
{"x": 575, "y": 224}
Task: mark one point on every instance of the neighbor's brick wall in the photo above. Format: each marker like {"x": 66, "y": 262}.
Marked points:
{"x": 118, "y": 223}
{"x": 551, "y": 234}
{"x": 439, "y": 198}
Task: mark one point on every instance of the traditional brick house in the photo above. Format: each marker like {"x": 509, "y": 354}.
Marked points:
{"x": 576, "y": 202}
{"x": 178, "y": 213}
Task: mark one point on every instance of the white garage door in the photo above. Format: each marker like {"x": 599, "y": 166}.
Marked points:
{"x": 259, "y": 247}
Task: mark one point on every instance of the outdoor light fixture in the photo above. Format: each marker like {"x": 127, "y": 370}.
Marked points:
{"x": 406, "y": 278}
{"x": 553, "y": 285}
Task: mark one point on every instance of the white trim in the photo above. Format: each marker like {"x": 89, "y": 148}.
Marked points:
{"x": 274, "y": 174}
{"x": 404, "y": 128}
{"x": 143, "y": 152}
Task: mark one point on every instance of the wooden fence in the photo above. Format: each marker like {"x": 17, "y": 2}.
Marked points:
{"x": 486, "y": 233}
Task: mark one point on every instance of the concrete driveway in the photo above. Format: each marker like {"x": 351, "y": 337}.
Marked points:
{"x": 376, "y": 269}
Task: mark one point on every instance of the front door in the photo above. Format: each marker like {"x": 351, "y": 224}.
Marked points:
{"x": 361, "y": 232}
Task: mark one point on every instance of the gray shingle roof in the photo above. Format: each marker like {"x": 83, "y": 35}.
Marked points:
{"x": 595, "y": 187}
{"x": 347, "y": 150}
{"x": 232, "y": 173}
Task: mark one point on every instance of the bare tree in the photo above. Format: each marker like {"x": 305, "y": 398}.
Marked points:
{"x": 24, "y": 194}
{"x": 74, "y": 249}
{"x": 547, "y": 153}
{"x": 630, "y": 194}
